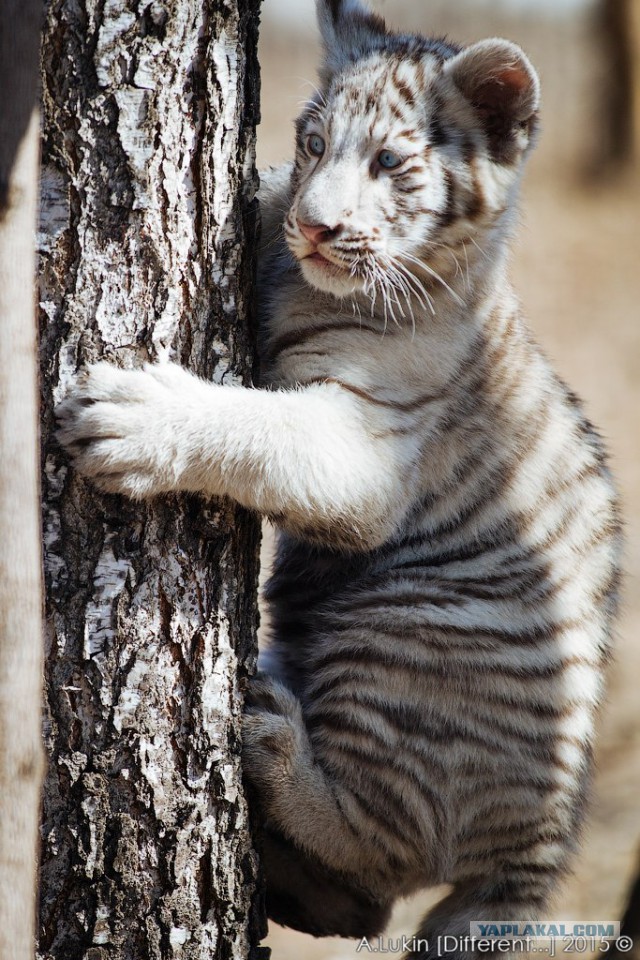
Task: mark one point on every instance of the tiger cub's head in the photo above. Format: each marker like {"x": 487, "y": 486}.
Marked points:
{"x": 411, "y": 147}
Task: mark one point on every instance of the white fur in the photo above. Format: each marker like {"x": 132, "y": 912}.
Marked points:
{"x": 161, "y": 429}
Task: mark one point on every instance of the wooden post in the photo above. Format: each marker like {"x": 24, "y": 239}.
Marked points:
{"x": 619, "y": 27}
{"x": 21, "y": 757}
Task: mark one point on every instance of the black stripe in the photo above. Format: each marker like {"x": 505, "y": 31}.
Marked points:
{"x": 382, "y": 803}
{"x": 377, "y": 605}
{"x": 438, "y": 135}
{"x": 295, "y": 337}
{"x": 407, "y": 406}
{"x": 387, "y": 796}
{"x": 437, "y": 727}
{"x": 448, "y": 214}
{"x": 359, "y": 659}
{"x": 493, "y": 851}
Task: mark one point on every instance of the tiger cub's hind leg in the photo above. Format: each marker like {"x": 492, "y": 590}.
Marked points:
{"x": 316, "y": 808}
{"x": 303, "y": 895}
{"x": 445, "y": 932}
{"x": 304, "y": 851}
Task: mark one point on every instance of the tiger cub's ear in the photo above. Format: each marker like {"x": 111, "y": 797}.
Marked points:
{"x": 349, "y": 30}
{"x": 498, "y": 80}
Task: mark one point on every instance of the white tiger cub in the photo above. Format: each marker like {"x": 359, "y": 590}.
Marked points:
{"x": 447, "y": 573}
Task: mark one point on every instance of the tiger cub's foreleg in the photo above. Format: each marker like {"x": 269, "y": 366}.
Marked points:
{"x": 307, "y": 458}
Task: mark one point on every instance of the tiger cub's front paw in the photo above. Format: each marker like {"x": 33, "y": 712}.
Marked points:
{"x": 123, "y": 427}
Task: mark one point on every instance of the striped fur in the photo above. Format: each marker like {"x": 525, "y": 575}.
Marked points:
{"x": 448, "y": 678}
{"x": 443, "y": 595}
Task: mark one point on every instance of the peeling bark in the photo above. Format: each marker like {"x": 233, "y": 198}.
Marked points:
{"x": 146, "y": 232}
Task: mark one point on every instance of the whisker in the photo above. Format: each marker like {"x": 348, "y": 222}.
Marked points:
{"x": 397, "y": 281}
{"x": 419, "y": 291}
{"x": 318, "y": 92}
{"x": 435, "y": 275}
{"x": 466, "y": 258}
{"x": 478, "y": 247}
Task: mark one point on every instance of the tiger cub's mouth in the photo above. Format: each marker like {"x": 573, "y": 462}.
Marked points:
{"x": 321, "y": 260}
{"x": 316, "y": 257}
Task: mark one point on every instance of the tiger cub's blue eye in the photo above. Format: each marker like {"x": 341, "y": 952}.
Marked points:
{"x": 315, "y": 145}
{"x": 389, "y": 160}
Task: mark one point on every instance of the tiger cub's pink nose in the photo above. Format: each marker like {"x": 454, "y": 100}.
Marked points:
{"x": 317, "y": 233}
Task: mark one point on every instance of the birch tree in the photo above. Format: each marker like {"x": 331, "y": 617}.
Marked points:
{"x": 20, "y": 573}
{"x": 146, "y": 251}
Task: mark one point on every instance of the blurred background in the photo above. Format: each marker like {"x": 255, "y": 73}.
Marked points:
{"x": 576, "y": 267}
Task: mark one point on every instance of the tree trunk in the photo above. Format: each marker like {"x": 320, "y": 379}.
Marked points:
{"x": 20, "y": 559}
{"x": 148, "y": 210}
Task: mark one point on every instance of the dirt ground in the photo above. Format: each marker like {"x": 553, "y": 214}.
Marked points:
{"x": 577, "y": 270}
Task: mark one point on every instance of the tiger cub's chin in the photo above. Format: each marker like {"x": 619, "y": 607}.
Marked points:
{"x": 328, "y": 277}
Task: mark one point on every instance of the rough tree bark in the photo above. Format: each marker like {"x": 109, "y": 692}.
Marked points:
{"x": 147, "y": 223}
{"x": 20, "y": 561}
